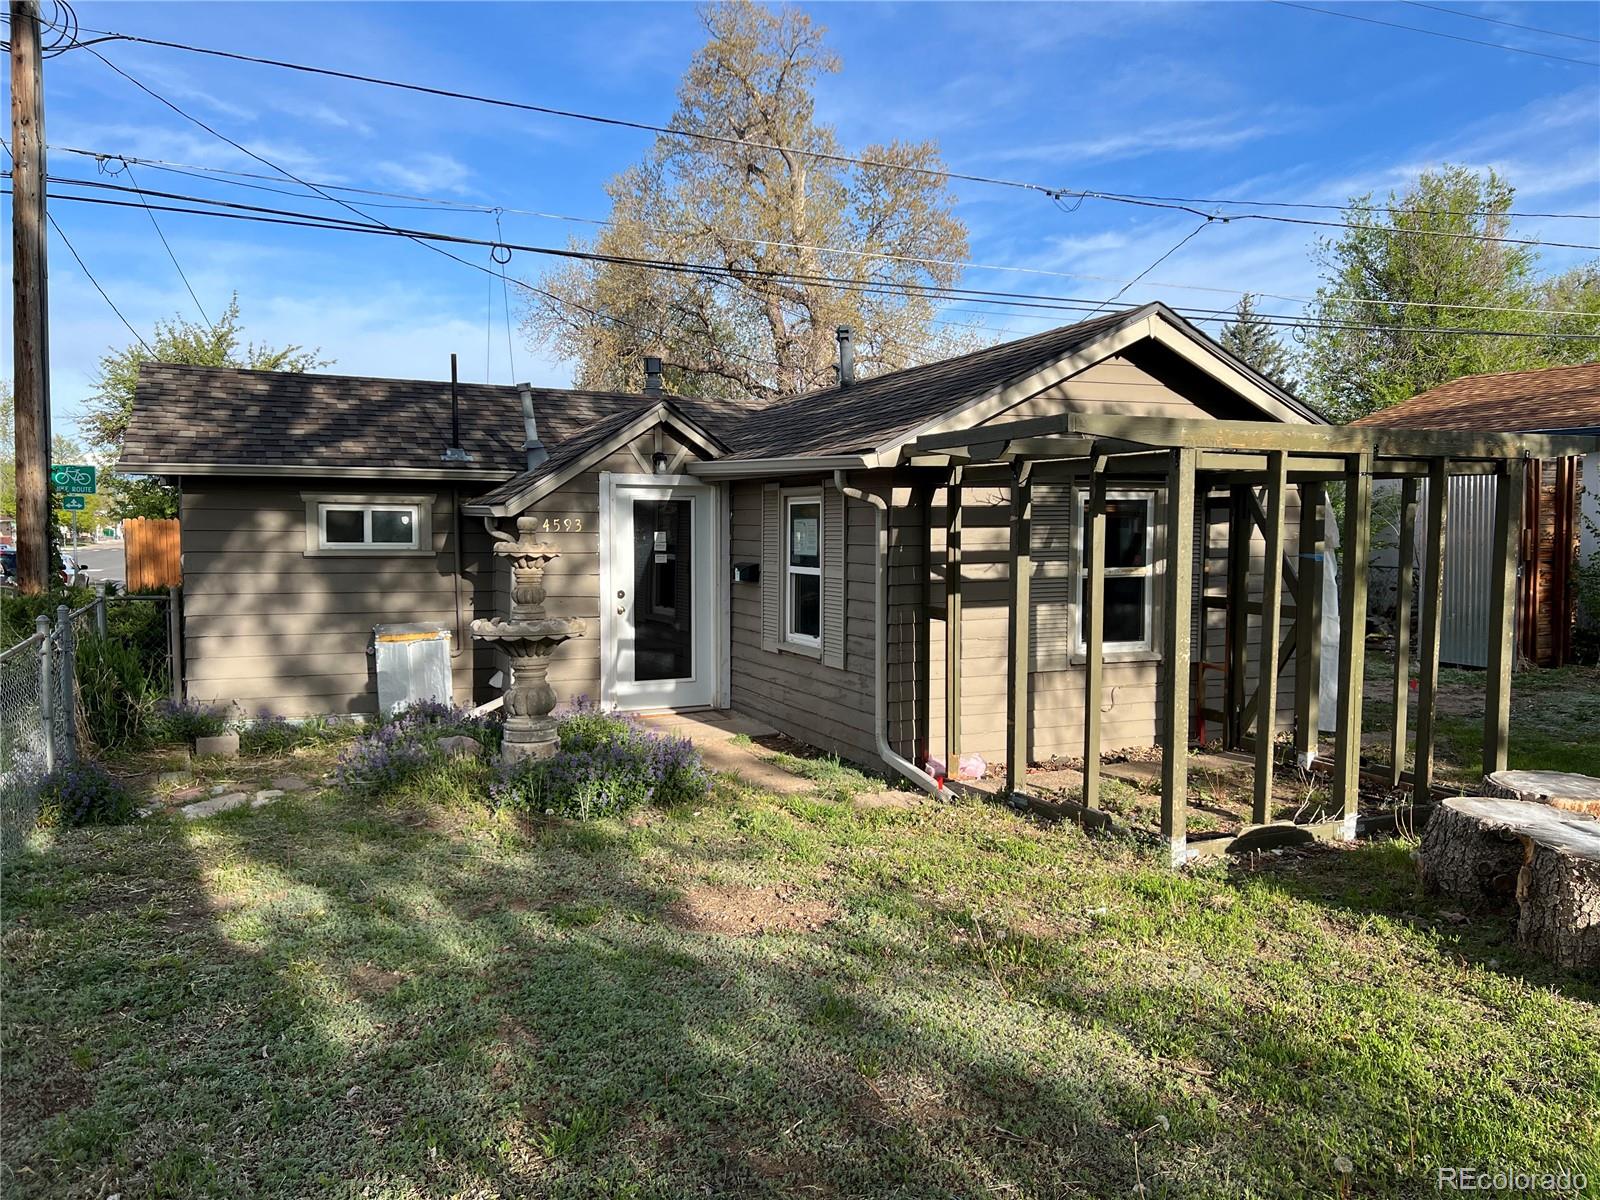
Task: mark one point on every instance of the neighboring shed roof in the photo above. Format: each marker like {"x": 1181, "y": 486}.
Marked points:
{"x": 195, "y": 419}
{"x": 1553, "y": 399}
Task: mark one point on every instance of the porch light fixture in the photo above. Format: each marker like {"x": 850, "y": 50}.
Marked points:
{"x": 659, "y": 461}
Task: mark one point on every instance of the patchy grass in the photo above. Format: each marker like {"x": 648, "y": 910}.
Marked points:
{"x": 835, "y": 778}
{"x": 768, "y": 996}
{"x": 1554, "y": 716}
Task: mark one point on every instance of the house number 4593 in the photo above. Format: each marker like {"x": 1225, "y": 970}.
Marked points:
{"x": 561, "y": 525}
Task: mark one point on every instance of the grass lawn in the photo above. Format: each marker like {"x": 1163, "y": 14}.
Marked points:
{"x": 769, "y": 996}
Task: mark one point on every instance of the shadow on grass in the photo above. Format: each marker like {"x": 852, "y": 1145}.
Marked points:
{"x": 326, "y": 998}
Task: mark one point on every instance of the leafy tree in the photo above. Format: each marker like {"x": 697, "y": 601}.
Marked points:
{"x": 1249, "y": 337}
{"x": 1418, "y": 263}
{"x": 8, "y": 451}
{"x": 757, "y": 212}
{"x": 189, "y": 343}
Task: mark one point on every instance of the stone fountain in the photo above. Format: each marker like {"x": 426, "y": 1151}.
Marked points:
{"x": 529, "y": 638}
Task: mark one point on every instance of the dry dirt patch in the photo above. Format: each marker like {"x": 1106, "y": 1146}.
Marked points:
{"x": 742, "y": 912}
{"x": 370, "y": 982}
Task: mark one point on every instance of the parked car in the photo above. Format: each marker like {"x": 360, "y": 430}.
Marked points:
{"x": 71, "y": 572}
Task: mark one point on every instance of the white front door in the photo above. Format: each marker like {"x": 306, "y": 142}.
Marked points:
{"x": 658, "y": 639}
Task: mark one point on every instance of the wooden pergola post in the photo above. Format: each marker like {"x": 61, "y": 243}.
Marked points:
{"x": 952, "y": 624}
{"x": 1308, "y": 622}
{"x": 1175, "y": 652}
{"x": 1237, "y": 616}
{"x": 922, "y": 669}
{"x": 1271, "y": 615}
{"x": 1017, "y": 627}
{"x": 1406, "y": 555}
{"x": 1094, "y": 624}
{"x": 1430, "y": 624}
{"x": 1357, "y": 540}
{"x": 1508, "y": 501}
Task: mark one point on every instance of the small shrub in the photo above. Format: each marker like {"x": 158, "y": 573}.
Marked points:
{"x": 406, "y": 743}
{"x": 605, "y": 765}
{"x": 81, "y": 793}
{"x": 187, "y": 720}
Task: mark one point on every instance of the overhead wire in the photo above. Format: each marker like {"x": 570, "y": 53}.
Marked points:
{"x": 1184, "y": 241}
{"x": 1058, "y": 194}
{"x": 156, "y": 225}
{"x": 1454, "y": 37}
{"x": 1024, "y": 300}
{"x": 1461, "y": 12}
{"x": 466, "y": 206}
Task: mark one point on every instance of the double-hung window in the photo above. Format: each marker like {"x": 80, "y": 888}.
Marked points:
{"x": 1129, "y": 621}
{"x": 368, "y": 526}
{"x": 802, "y": 569}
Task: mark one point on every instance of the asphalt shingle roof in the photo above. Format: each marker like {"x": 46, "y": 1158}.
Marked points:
{"x": 1549, "y": 400}
{"x": 224, "y": 416}
{"x": 562, "y": 455}
{"x": 873, "y": 411}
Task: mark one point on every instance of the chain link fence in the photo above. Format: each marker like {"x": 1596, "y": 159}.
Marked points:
{"x": 89, "y": 678}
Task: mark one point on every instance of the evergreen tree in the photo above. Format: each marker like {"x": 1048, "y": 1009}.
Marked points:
{"x": 1252, "y": 339}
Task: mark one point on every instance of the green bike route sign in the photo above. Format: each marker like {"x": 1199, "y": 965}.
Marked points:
{"x": 73, "y": 479}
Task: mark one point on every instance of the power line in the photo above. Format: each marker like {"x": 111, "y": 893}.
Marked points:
{"x": 1184, "y": 241}
{"x": 713, "y": 272}
{"x": 429, "y": 202}
{"x": 1460, "y": 12}
{"x": 1454, "y": 37}
{"x": 84, "y": 267}
{"x": 1056, "y": 194}
{"x": 168, "y": 246}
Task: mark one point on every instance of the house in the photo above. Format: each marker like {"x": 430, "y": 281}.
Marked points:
{"x": 1057, "y": 546}
{"x": 1560, "y": 507}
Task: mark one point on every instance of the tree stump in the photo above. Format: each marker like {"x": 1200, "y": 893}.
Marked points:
{"x": 1497, "y": 853}
{"x": 1560, "y": 789}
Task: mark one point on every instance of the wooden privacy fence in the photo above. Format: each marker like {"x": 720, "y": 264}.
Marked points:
{"x": 151, "y": 553}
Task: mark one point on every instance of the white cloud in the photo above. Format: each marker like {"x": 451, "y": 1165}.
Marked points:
{"x": 426, "y": 173}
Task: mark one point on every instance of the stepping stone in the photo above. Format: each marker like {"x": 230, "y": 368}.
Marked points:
{"x": 266, "y": 796}
{"x": 291, "y": 783}
{"x": 460, "y": 746}
{"x": 188, "y": 794}
{"x": 218, "y": 789}
{"x": 224, "y": 745}
{"x": 217, "y": 804}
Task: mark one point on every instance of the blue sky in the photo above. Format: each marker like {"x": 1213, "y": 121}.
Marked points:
{"x": 1254, "y": 100}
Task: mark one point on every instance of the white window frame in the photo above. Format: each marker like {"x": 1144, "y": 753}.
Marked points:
{"x": 811, "y": 497}
{"x": 319, "y": 505}
{"x": 1150, "y": 572}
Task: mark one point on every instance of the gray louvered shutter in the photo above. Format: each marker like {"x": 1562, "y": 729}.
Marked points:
{"x": 771, "y": 567}
{"x": 833, "y": 573}
{"x": 1051, "y": 590}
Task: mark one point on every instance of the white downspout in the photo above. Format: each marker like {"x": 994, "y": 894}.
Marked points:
{"x": 880, "y": 664}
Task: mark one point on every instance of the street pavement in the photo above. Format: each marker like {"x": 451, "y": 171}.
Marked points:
{"x": 103, "y": 562}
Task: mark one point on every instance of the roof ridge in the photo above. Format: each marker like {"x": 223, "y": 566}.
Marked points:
{"x": 642, "y": 397}
{"x": 1499, "y": 374}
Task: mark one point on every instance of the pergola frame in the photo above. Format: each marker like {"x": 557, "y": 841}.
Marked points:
{"x": 1197, "y": 455}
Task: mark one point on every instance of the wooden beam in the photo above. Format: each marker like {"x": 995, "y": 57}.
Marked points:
{"x": 1430, "y": 623}
{"x": 1308, "y": 622}
{"x": 1020, "y": 651}
{"x": 952, "y": 624}
{"x": 1271, "y": 603}
{"x": 1406, "y": 554}
{"x": 1356, "y": 541}
{"x": 1094, "y": 624}
{"x": 1508, "y": 502}
{"x": 1238, "y": 616}
{"x": 1175, "y": 648}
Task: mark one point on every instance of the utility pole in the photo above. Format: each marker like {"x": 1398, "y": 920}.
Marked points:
{"x": 30, "y": 334}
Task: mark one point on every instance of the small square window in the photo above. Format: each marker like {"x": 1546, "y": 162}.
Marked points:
{"x": 344, "y": 525}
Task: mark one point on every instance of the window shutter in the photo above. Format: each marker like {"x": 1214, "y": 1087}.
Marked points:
{"x": 1051, "y": 589}
{"x": 833, "y": 575}
{"x": 771, "y": 567}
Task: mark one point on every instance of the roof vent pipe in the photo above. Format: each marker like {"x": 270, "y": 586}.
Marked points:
{"x": 530, "y": 431}
{"x": 847, "y": 357}
{"x": 453, "y": 452}
{"x": 652, "y": 375}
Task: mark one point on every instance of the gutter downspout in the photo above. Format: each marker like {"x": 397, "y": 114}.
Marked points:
{"x": 880, "y": 664}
